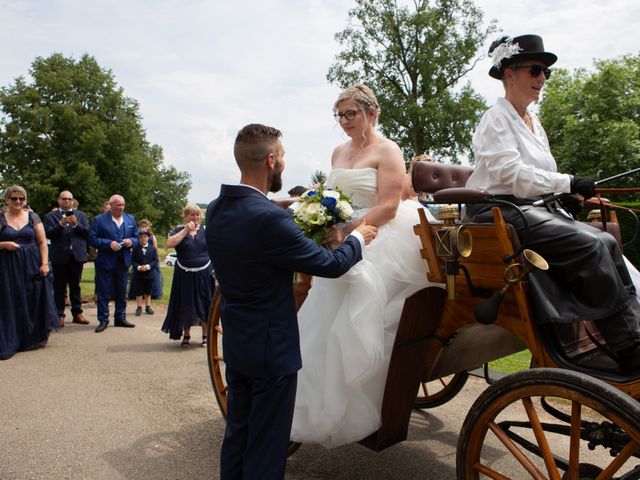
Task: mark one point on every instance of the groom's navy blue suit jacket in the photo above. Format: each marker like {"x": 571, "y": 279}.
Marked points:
{"x": 255, "y": 247}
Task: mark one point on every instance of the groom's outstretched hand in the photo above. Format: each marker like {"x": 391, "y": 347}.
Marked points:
{"x": 369, "y": 232}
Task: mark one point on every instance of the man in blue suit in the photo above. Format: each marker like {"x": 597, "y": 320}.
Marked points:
{"x": 255, "y": 247}
{"x": 113, "y": 233}
{"x": 68, "y": 230}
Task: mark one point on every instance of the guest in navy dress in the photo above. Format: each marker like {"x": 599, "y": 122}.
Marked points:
{"x": 27, "y": 310}
{"x": 193, "y": 282}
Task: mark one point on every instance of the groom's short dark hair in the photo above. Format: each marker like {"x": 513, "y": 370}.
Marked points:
{"x": 254, "y": 142}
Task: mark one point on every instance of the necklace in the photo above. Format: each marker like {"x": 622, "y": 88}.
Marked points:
{"x": 527, "y": 120}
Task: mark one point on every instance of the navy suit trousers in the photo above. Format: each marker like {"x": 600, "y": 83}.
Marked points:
{"x": 112, "y": 281}
{"x": 65, "y": 274}
{"x": 259, "y": 417}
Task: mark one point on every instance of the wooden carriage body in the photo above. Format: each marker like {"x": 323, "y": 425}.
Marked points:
{"x": 439, "y": 336}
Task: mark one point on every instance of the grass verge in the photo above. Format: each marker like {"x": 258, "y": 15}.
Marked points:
{"x": 87, "y": 284}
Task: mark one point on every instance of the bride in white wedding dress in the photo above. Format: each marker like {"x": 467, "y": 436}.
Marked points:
{"x": 348, "y": 325}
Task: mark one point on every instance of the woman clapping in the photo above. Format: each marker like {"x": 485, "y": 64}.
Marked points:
{"x": 193, "y": 282}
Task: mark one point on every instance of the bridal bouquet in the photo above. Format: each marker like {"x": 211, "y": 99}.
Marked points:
{"x": 319, "y": 209}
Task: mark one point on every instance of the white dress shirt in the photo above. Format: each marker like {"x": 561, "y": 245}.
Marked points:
{"x": 511, "y": 159}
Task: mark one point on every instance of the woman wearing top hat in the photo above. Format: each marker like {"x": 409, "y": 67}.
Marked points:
{"x": 588, "y": 277}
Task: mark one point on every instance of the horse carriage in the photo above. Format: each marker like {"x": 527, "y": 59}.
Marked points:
{"x": 572, "y": 416}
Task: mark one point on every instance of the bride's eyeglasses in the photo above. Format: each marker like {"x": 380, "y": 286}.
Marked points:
{"x": 536, "y": 70}
{"x": 349, "y": 115}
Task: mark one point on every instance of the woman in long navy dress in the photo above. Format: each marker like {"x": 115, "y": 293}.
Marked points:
{"x": 27, "y": 310}
{"x": 193, "y": 283}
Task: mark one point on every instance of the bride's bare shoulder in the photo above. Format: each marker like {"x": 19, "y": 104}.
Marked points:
{"x": 390, "y": 152}
{"x": 339, "y": 152}
{"x": 390, "y": 146}
{"x": 341, "y": 148}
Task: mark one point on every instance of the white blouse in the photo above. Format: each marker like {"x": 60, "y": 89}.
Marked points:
{"x": 511, "y": 159}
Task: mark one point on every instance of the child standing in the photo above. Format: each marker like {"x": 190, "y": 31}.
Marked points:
{"x": 144, "y": 258}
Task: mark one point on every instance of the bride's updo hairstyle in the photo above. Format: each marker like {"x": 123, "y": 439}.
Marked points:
{"x": 363, "y": 96}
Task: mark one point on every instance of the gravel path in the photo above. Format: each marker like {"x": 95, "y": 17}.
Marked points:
{"x": 130, "y": 404}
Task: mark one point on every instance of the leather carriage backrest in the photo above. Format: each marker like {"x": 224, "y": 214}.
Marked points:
{"x": 612, "y": 228}
{"x": 432, "y": 176}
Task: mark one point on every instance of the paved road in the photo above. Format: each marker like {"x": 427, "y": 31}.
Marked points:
{"x": 130, "y": 404}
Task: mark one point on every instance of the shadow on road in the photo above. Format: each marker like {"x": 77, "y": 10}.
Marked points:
{"x": 188, "y": 450}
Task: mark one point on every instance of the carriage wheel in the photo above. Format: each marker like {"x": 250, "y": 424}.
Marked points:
{"x": 214, "y": 355}
{"x": 508, "y": 434}
{"x": 438, "y": 392}
{"x": 216, "y": 360}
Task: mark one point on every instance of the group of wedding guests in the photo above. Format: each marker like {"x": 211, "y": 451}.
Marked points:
{"x": 33, "y": 299}
{"x": 319, "y": 376}
{"x": 121, "y": 244}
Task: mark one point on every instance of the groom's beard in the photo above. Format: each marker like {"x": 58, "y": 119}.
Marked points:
{"x": 276, "y": 182}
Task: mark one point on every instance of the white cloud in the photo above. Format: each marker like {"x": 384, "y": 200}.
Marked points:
{"x": 201, "y": 69}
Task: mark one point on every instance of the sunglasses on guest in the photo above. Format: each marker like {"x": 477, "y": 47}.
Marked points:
{"x": 535, "y": 70}
{"x": 18, "y": 199}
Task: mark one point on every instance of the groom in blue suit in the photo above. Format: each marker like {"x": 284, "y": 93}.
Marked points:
{"x": 113, "y": 233}
{"x": 255, "y": 247}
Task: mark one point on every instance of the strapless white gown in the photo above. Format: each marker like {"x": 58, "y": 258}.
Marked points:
{"x": 348, "y": 325}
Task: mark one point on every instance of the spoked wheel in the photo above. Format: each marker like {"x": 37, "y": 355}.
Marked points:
{"x": 214, "y": 354}
{"x": 216, "y": 360}
{"x": 551, "y": 423}
{"x": 438, "y": 392}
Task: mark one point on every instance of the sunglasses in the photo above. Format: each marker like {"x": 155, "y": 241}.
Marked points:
{"x": 536, "y": 70}
{"x": 18, "y": 199}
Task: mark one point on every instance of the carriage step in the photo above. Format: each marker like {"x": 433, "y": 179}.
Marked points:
{"x": 490, "y": 376}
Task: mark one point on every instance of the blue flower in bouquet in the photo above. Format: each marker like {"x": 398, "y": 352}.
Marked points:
{"x": 330, "y": 204}
{"x": 316, "y": 210}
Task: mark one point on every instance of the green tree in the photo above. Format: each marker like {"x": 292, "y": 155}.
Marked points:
{"x": 414, "y": 58}
{"x": 71, "y": 127}
{"x": 592, "y": 119}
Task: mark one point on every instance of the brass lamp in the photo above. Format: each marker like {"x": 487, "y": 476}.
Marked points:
{"x": 452, "y": 241}
{"x": 594, "y": 216}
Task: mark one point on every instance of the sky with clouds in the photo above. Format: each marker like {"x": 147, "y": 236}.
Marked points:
{"x": 202, "y": 69}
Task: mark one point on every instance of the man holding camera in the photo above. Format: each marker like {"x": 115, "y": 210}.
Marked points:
{"x": 68, "y": 230}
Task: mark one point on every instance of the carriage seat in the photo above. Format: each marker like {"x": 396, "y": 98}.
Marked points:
{"x": 431, "y": 177}
{"x": 612, "y": 228}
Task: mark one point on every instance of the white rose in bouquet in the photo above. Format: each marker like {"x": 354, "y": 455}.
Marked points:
{"x": 345, "y": 210}
{"x": 316, "y": 214}
{"x": 331, "y": 194}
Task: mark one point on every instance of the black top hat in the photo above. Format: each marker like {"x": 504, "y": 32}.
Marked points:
{"x": 507, "y": 50}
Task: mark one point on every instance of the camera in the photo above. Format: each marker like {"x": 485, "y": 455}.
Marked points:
{"x": 67, "y": 213}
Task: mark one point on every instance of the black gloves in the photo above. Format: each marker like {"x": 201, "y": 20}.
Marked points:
{"x": 585, "y": 186}
{"x": 572, "y": 204}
